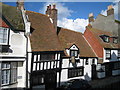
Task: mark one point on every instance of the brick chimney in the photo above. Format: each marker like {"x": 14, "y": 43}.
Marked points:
{"x": 110, "y": 10}
{"x": 52, "y": 13}
{"x": 91, "y": 17}
{"x": 20, "y": 4}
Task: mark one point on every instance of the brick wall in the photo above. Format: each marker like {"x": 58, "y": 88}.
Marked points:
{"x": 98, "y": 49}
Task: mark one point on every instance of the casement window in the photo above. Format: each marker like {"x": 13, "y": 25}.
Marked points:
{"x": 115, "y": 40}
{"x": 4, "y": 36}
{"x": 86, "y": 62}
{"x": 116, "y": 65}
{"x": 105, "y": 38}
{"x": 108, "y": 54}
{"x": 75, "y": 72}
{"x": 9, "y": 73}
{"x": 47, "y": 56}
{"x": 74, "y": 53}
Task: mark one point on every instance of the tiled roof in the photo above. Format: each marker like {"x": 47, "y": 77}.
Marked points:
{"x": 97, "y": 34}
{"x": 3, "y": 24}
{"x": 68, "y": 38}
{"x": 43, "y": 36}
{"x": 13, "y": 16}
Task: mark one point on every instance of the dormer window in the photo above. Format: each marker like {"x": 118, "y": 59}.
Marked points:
{"x": 105, "y": 38}
{"x": 115, "y": 40}
{"x": 73, "y": 53}
{"x": 3, "y": 36}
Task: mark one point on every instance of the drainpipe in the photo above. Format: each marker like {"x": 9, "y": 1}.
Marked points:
{"x": 0, "y": 74}
{"x": 26, "y": 36}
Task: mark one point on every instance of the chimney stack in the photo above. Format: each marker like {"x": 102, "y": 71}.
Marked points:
{"x": 20, "y": 4}
{"x": 91, "y": 17}
{"x": 52, "y": 13}
{"x": 110, "y": 10}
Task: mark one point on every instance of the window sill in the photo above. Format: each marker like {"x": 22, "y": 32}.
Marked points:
{"x": 9, "y": 84}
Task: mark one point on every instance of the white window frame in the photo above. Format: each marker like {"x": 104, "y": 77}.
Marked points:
{"x": 6, "y": 37}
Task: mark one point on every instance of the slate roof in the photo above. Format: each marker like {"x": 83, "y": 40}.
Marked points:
{"x": 13, "y": 16}
{"x": 69, "y": 37}
{"x": 43, "y": 35}
{"x": 97, "y": 33}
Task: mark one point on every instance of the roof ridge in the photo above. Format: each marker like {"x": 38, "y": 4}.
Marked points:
{"x": 102, "y": 15}
{"x": 71, "y": 30}
{"x": 36, "y": 13}
{"x": 102, "y": 30}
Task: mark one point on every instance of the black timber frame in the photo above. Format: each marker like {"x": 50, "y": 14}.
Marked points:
{"x": 45, "y": 71}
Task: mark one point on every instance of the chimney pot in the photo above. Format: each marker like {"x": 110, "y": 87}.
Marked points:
{"x": 49, "y": 6}
{"x": 54, "y": 6}
{"x": 110, "y": 7}
{"x": 91, "y": 15}
{"x": 110, "y": 10}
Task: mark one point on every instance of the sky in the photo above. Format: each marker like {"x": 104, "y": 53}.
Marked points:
{"x": 72, "y": 15}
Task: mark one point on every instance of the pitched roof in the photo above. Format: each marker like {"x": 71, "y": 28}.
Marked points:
{"x": 13, "y": 16}
{"x": 97, "y": 33}
{"x": 43, "y": 36}
{"x": 68, "y": 37}
{"x": 3, "y": 24}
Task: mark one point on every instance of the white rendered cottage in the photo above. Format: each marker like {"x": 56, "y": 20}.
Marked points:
{"x": 13, "y": 46}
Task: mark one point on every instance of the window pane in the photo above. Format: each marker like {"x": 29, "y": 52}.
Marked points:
{"x": 3, "y": 35}
{"x": 73, "y": 53}
{"x": 9, "y": 72}
{"x": 108, "y": 54}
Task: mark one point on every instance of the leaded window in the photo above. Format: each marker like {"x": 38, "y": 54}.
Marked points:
{"x": 3, "y": 35}
{"x": 9, "y": 72}
{"x": 108, "y": 54}
{"x": 75, "y": 72}
{"x": 74, "y": 53}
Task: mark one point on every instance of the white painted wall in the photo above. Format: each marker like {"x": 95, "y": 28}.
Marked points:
{"x": 17, "y": 42}
{"x": 87, "y": 69}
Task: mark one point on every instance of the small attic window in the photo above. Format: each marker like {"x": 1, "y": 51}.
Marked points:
{"x": 105, "y": 38}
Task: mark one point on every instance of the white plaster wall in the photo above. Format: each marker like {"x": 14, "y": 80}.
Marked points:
{"x": 17, "y": 42}
{"x": 21, "y": 74}
{"x": 87, "y": 69}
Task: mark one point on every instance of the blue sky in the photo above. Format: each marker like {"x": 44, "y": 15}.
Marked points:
{"x": 71, "y": 15}
{"x": 80, "y": 9}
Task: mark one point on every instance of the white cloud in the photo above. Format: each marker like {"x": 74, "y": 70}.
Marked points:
{"x": 78, "y": 24}
{"x": 63, "y": 11}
